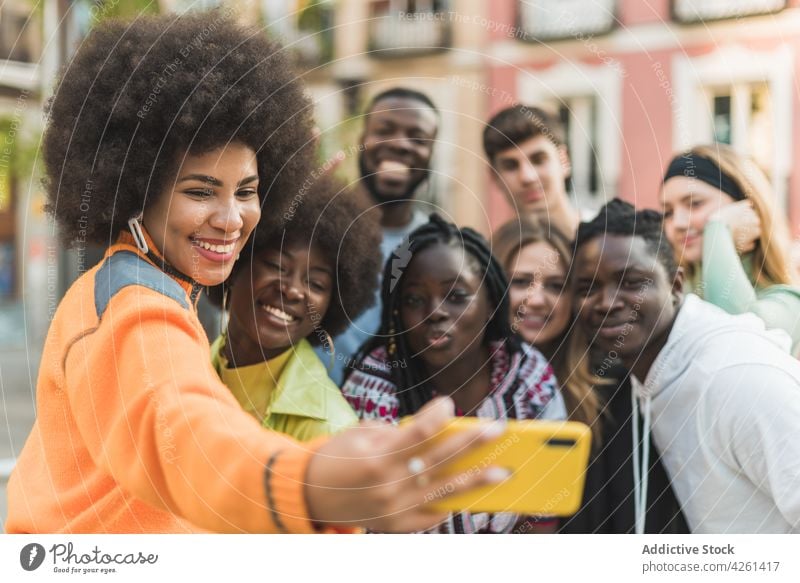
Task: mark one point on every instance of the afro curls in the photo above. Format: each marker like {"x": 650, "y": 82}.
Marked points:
{"x": 340, "y": 223}
{"x": 138, "y": 95}
{"x": 618, "y": 217}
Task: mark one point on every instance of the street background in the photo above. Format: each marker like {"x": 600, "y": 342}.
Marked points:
{"x": 633, "y": 80}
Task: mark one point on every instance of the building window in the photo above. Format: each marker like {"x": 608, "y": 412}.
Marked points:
{"x": 563, "y": 19}
{"x": 406, "y": 28}
{"x": 721, "y": 126}
{"x": 181, "y": 6}
{"x": 81, "y": 15}
{"x": 588, "y": 99}
{"x": 742, "y": 117}
{"x": 739, "y": 97}
{"x": 579, "y": 117}
{"x": 20, "y": 31}
{"x": 690, "y": 11}
{"x": 306, "y": 27}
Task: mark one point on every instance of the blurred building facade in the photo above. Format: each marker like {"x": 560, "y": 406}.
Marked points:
{"x": 37, "y": 39}
{"x": 31, "y": 50}
{"x": 634, "y": 80}
{"x": 637, "y": 80}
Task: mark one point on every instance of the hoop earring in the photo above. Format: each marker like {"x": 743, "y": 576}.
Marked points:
{"x": 135, "y": 227}
{"x": 329, "y": 340}
{"x": 223, "y": 319}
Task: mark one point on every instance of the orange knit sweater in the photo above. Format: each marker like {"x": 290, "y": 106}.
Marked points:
{"x": 135, "y": 433}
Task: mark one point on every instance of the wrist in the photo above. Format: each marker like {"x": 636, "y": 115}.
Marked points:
{"x": 285, "y": 486}
{"x": 313, "y": 494}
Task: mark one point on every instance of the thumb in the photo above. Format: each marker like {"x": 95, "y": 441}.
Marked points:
{"x": 436, "y": 412}
{"x": 427, "y": 423}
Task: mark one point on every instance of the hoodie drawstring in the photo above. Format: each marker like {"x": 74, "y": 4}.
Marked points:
{"x": 640, "y": 466}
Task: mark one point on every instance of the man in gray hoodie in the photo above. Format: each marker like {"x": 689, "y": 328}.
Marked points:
{"x": 720, "y": 393}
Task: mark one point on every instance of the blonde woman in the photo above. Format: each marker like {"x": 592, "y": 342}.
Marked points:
{"x": 721, "y": 219}
{"x": 537, "y": 257}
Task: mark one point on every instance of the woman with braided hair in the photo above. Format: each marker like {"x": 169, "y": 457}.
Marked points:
{"x": 445, "y": 331}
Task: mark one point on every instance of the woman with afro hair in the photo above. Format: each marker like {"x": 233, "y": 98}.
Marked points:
{"x": 165, "y": 139}
{"x": 297, "y": 284}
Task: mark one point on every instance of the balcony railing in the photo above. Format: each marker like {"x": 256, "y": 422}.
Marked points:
{"x": 542, "y": 20}
{"x": 702, "y": 10}
{"x": 407, "y": 34}
{"x": 22, "y": 76}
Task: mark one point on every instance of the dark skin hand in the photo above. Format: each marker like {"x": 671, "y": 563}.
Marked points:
{"x": 361, "y": 476}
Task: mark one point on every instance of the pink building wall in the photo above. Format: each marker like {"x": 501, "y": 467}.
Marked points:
{"x": 504, "y": 78}
{"x": 646, "y": 107}
{"x": 632, "y": 12}
{"x": 646, "y": 126}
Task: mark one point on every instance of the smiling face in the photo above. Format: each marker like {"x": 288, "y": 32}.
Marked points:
{"x": 626, "y": 301}
{"x": 208, "y": 209}
{"x": 540, "y": 304}
{"x": 688, "y": 204}
{"x": 277, "y": 300}
{"x": 397, "y": 148}
{"x": 532, "y": 175}
{"x": 444, "y": 307}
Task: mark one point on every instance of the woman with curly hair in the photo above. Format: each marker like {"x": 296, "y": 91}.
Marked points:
{"x": 165, "y": 138}
{"x": 730, "y": 239}
{"x": 295, "y": 288}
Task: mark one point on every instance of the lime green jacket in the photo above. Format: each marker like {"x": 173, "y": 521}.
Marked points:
{"x": 726, "y": 280}
{"x": 305, "y": 403}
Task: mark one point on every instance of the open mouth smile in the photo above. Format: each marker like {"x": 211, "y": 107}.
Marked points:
{"x": 279, "y": 314}
{"x": 215, "y": 249}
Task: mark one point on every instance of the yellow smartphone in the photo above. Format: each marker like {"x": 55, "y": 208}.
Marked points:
{"x": 547, "y": 461}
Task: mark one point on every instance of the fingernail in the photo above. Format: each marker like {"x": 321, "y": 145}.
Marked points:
{"x": 450, "y": 404}
{"x": 494, "y": 429}
{"x": 496, "y": 475}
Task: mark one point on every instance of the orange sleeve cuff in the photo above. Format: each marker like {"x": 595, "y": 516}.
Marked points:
{"x": 285, "y": 488}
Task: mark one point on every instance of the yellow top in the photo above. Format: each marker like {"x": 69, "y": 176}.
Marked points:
{"x": 290, "y": 393}
{"x": 253, "y": 385}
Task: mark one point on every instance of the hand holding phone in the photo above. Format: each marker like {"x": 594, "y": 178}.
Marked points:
{"x": 547, "y": 461}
